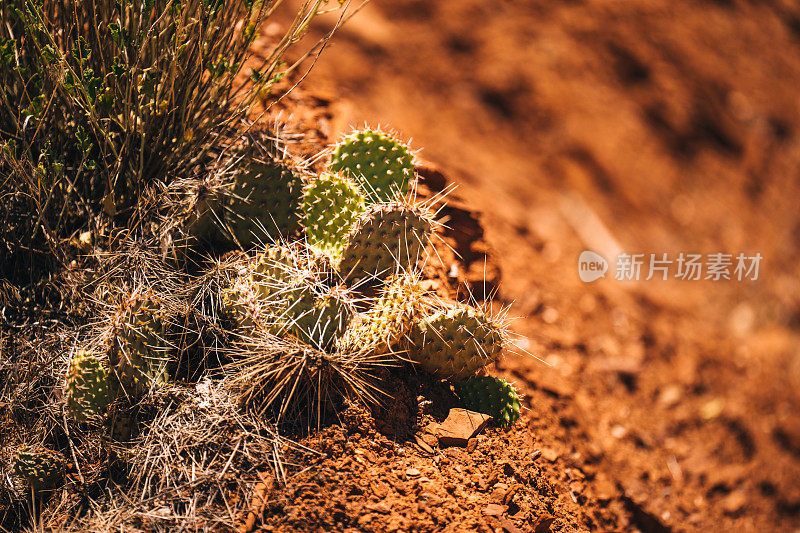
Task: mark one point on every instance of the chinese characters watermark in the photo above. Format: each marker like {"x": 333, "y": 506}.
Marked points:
{"x": 684, "y": 266}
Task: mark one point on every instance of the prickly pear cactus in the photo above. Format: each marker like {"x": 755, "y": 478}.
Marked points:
{"x": 42, "y": 468}
{"x": 240, "y": 304}
{"x": 140, "y": 347}
{"x": 264, "y": 204}
{"x": 88, "y": 393}
{"x": 280, "y": 292}
{"x": 274, "y": 268}
{"x": 331, "y": 205}
{"x": 454, "y": 343}
{"x": 381, "y": 327}
{"x": 382, "y": 165}
{"x": 317, "y": 319}
{"x": 386, "y": 239}
{"x": 490, "y": 395}
{"x": 200, "y": 220}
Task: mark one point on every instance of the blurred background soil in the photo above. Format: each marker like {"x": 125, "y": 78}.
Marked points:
{"x": 641, "y": 127}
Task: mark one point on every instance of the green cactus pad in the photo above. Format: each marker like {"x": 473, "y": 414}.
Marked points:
{"x": 382, "y": 165}
{"x": 274, "y": 268}
{"x": 331, "y": 205}
{"x": 140, "y": 350}
{"x": 316, "y": 319}
{"x": 454, "y": 343}
{"x": 280, "y": 293}
{"x": 490, "y": 395}
{"x": 380, "y": 328}
{"x": 264, "y": 204}
{"x": 388, "y": 238}
{"x": 42, "y": 468}
{"x": 88, "y": 394}
{"x": 240, "y": 304}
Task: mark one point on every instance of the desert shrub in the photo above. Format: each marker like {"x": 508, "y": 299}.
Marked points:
{"x": 99, "y": 99}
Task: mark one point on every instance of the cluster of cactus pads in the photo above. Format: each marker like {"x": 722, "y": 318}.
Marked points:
{"x": 341, "y": 277}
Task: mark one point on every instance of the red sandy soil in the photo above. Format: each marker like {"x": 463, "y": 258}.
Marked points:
{"x": 645, "y": 127}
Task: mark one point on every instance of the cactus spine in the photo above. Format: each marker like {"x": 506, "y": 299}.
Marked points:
{"x": 382, "y": 165}
{"x": 88, "y": 393}
{"x": 491, "y": 395}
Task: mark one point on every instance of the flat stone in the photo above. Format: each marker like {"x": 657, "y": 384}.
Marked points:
{"x": 412, "y": 472}
{"x": 380, "y": 507}
{"x": 423, "y": 444}
{"x": 494, "y": 509}
{"x": 460, "y": 426}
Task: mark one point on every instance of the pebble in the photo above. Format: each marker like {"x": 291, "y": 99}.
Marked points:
{"x": 494, "y": 509}
{"x": 412, "y": 472}
{"x": 460, "y": 426}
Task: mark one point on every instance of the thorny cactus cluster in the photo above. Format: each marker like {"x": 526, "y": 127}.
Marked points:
{"x": 338, "y": 289}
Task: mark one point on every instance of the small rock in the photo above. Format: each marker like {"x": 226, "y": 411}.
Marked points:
{"x": 460, "y": 426}
{"x": 712, "y": 409}
{"x": 423, "y": 444}
{"x": 550, "y": 454}
{"x": 412, "y": 472}
{"x": 509, "y": 526}
{"x": 543, "y": 525}
{"x": 472, "y": 444}
{"x": 618, "y": 431}
{"x": 604, "y": 489}
{"x": 549, "y": 315}
{"x": 733, "y": 502}
{"x": 380, "y": 507}
{"x": 430, "y": 439}
{"x": 494, "y": 509}
{"x": 670, "y": 395}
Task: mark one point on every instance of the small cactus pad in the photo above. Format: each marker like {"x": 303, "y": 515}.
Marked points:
{"x": 387, "y": 238}
{"x": 383, "y": 325}
{"x": 490, "y": 395}
{"x": 42, "y": 468}
{"x": 331, "y": 205}
{"x": 264, "y": 204}
{"x": 454, "y": 343}
{"x": 317, "y": 319}
{"x": 240, "y": 304}
{"x": 274, "y": 268}
{"x": 382, "y": 165}
{"x": 88, "y": 394}
{"x": 140, "y": 350}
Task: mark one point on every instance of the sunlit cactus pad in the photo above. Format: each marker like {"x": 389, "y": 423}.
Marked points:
{"x": 331, "y": 205}
{"x": 381, "y": 327}
{"x": 490, "y": 395}
{"x": 386, "y": 239}
{"x": 454, "y": 343}
{"x": 383, "y": 166}
{"x": 264, "y": 204}
{"x": 88, "y": 393}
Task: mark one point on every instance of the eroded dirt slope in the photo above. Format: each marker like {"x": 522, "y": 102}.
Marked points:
{"x": 658, "y": 127}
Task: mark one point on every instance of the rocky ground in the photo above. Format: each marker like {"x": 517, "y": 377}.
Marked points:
{"x": 663, "y": 127}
